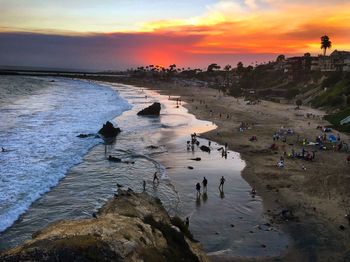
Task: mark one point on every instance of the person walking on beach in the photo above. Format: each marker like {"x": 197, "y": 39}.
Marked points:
{"x": 198, "y": 188}
{"x": 155, "y": 177}
{"x": 205, "y": 183}
{"x": 222, "y": 182}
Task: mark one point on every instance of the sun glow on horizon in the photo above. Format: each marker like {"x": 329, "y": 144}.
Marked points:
{"x": 188, "y": 31}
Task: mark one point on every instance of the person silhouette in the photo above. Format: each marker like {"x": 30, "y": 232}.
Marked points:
{"x": 198, "y": 188}
{"x": 155, "y": 177}
{"x": 205, "y": 183}
{"x": 222, "y": 182}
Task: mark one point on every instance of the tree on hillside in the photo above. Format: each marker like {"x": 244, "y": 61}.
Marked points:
{"x": 213, "y": 67}
{"x": 325, "y": 43}
{"x": 240, "y": 69}
{"x": 280, "y": 58}
{"x": 172, "y": 67}
{"x": 227, "y": 67}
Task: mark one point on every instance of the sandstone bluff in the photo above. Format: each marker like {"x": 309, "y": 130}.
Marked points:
{"x": 129, "y": 227}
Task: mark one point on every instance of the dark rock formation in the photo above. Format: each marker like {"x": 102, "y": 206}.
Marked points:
{"x": 205, "y": 149}
{"x": 152, "y": 110}
{"x": 196, "y": 159}
{"x": 108, "y": 130}
{"x": 152, "y": 147}
{"x": 85, "y": 135}
{"x": 130, "y": 227}
{"x": 114, "y": 159}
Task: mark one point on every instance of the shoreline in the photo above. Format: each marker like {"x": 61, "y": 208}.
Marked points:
{"x": 176, "y": 144}
{"x": 315, "y": 201}
{"x": 252, "y": 223}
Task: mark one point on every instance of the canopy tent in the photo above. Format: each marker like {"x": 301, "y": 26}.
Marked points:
{"x": 332, "y": 138}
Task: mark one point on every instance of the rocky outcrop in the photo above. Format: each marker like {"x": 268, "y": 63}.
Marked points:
{"x": 152, "y": 110}
{"x": 205, "y": 148}
{"x": 130, "y": 227}
{"x": 108, "y": 130}
{"x": 85, "y": 135}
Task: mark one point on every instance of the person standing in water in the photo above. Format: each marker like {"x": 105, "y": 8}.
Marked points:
{"x": 155, "y": 177}
{"x": 205, "y": 183}
{"x": 144, "y": 185}
{"x": 198, "y": 188}
{"x": 222, "y": 181}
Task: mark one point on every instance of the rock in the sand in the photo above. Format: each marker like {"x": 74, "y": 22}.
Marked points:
{"x": 108, "y": 130}
{"x": 190, "y": 167}
{"x": 152, "y": 110}
{"x": 205, "y": 148}
{"x": 196, "y": 159}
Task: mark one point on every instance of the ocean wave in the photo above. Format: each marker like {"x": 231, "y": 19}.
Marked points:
{"x": 40, "y": 133}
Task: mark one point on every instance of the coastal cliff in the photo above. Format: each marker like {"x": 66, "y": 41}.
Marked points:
{"x": 130, "y": 227}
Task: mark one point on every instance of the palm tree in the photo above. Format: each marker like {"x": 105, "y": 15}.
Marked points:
{"x": 325, "y": 43}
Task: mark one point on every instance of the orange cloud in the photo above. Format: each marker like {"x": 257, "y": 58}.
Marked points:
{"x": 227, "y": 28}
{"x": 227, "y": 32}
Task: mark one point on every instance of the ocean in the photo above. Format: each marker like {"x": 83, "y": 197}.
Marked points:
{"x": 48, "y": 173}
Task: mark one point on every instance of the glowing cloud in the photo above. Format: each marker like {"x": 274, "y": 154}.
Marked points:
{"x": 186, "y": 32}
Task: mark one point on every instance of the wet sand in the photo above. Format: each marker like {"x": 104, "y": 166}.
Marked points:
{"x": 318, "y": 196}
{"x": 159, "y": 144}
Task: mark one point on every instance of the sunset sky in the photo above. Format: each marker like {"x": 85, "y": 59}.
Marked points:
{"x": 99, "y": 35}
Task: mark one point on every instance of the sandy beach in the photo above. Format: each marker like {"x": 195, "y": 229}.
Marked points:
{"x": 315, "y": 191}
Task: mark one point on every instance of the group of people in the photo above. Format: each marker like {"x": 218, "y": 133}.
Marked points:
{"x": 155, "y": 181}
{"x": 205, "y": 184}
{"x": 192, "y": 142}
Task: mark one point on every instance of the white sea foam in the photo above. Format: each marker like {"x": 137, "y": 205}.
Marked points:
{"x": 40, "y": 130}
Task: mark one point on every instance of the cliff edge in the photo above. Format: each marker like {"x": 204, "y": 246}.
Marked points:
{"x": 129, "y": 227}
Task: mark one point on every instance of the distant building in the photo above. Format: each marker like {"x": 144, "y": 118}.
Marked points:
{"x": 346, "y": 67}
{"x": 336, "y": 61}
{"x": 315, "y": 63}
